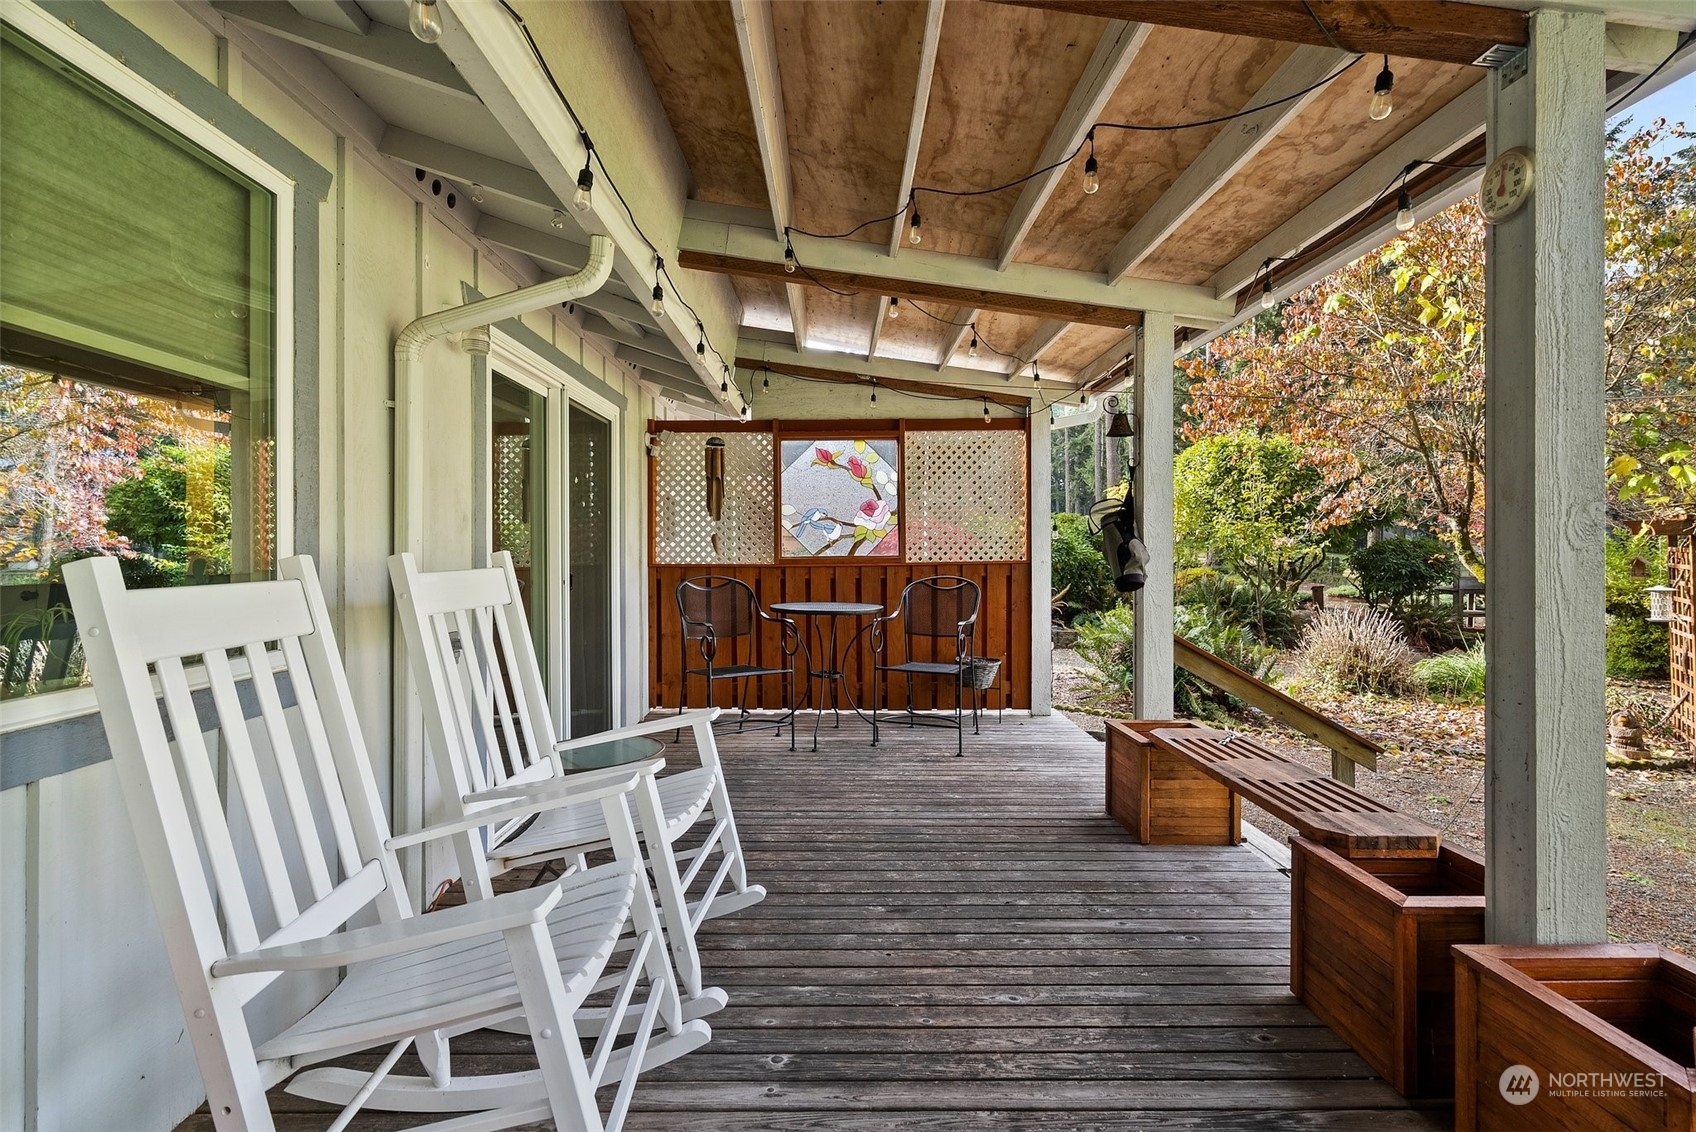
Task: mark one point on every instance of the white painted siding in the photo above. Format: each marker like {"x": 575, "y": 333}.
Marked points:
{"x": 90, "y": 1030}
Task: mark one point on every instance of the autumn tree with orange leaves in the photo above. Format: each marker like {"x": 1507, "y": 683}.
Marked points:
{"x": 1383, "y": 361}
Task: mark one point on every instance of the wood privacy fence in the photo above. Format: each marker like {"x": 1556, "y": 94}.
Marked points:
{"x": 963, "y": 511}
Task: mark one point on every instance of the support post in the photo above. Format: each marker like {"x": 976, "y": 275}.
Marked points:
{"x": 1152, "y": 644}
{"x": 1546, "y": 794}
{"x": 1042, "y": 564}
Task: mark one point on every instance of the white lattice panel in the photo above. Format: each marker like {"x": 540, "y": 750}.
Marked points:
{"x": 683, "y": 531}
{"x": 967, "y": 496}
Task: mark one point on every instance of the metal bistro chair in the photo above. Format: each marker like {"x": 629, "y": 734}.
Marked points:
{"x": 718, "y": 611}
{"x": 938, "y": 609}
{"x": 302, "y": 798}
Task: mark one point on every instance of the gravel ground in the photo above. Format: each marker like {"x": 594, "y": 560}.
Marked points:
{"x": 1433, "y": 767}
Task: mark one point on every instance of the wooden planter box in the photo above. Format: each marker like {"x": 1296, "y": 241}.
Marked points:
{"x": 1369, "y": 954}
{"x": 1623, "y": 1009}
{"x": 1160, "y": 797}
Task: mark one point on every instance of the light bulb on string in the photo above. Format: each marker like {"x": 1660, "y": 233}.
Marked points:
{"x": 874, "y": 390}
{"x": 1092, "y": 182}
{"x": 1405, "y": 219}
{"x": 583, "y": 199}
{"x": 1266, "y": 295}
{"x": 913, "y": 236}
{"x": 1382, "y": 102}
{"x": 658, "y": 306}
{"x": 986, "y": 410}
{"x": 973, "y": 352}
{"x": 747, "y": 412}
{"x": 765, "y": 382}
{"x": 425, "y": 20}
{"x": 724, "y": 384}
{"x": 701, "y": 344}
{"x": 894, "y": 307}
{"x": 788, "y": 257}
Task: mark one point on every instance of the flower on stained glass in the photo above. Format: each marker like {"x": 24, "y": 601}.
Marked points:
{"x": 857, "y": 468}
{"x": 873, "y": 513}
{"x": 824, "y": 458}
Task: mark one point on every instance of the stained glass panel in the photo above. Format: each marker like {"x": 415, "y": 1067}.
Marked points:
{"x": 841, "y": 498}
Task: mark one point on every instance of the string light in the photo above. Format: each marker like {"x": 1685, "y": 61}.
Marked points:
{"x": 582, "y": 198}
{"x": 973, "y": 352}
{"x": 425, "y": 20}
{"x": 1266, "y": 288}
{"x": 1382, "y": 103}
{"x": 788, "y": 256}
{"x": 585, "y": 185}
{"x": 1404, "y": 211}
{"x": 1092, "y": 183}
{"x": 724, "y": 383}
{"x": 874, "y": 390}
{"x": 894, "y": 307}
{"x": 986, "y": 410}
{"x": 659, "y": 292}
{"x": 747, "y": 412}
{"x": 913, "y": 236}
{"x": 765, "y": 382}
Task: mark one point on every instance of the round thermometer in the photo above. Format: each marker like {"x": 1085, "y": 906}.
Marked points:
{"x": 1507, "y": 184}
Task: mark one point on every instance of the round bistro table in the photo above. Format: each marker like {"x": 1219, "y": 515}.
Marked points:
{"x": 832, "y": 674}
{"x": 613, "y": 752}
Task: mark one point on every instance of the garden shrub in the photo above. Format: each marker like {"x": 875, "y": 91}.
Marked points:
{"x": 1391, "y": 571}
{"x": 1104, "y": 640}
{"x": 1207, "y": 629}
{"x": 1080, "y": 568}
{"x": 1270, "y": 615}
{"x": 1359, "y": 650}
{"x": 1457, "y": 675}
{"x": 1636, "y": 649}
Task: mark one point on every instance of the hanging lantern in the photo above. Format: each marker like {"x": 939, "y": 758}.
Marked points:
{"x": 1660, "y": 604}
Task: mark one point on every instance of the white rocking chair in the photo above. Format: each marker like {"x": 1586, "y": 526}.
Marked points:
{"x": 303, "y": 799}
{"x": 492, "y": 737}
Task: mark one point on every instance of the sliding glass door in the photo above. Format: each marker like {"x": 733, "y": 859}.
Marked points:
{"x": 553, "y": 505}
{"x": 589, "y": 576}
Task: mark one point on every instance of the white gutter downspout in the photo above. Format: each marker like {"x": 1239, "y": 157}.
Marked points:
{"x": 407, "y": 783}
{"x": 409, "y": 363}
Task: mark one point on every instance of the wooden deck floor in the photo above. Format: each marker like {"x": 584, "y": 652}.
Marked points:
{"x": 969, "y": 943}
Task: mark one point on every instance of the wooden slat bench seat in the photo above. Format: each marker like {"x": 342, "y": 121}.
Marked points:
{"x": 1320, "y": 808}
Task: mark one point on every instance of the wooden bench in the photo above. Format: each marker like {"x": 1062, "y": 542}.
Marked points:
{"x": 1321, "y": 809}
{"x": 1159, "y": 796}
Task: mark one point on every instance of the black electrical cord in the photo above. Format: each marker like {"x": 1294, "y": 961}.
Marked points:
{"x": 1683, "y": 42}
{"x": 1129, "y": 127}
{"x": 594, "y": 155}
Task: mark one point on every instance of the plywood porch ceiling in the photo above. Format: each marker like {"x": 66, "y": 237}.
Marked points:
{"x": 1006, "y": 85}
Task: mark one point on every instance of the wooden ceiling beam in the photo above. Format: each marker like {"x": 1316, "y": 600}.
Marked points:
{"x": 714, "y": 245}
{"x": 916, "y": 120}
{"x": 1446, "y": 31}
{"x": 877, "y": 327}
{"x": 908, "y": 377}
{"x": 1114, "y": 53}
{"x": 756, "y": 40}
{"x": 952, "y": 343}
{"x": 1445, "y": 131}
{"x": 1226, "y": 155}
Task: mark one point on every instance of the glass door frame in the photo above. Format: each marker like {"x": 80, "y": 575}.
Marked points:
{"x": 560, "y": 391}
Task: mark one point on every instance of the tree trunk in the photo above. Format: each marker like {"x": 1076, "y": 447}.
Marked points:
{"x": 1100, "y": 454}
